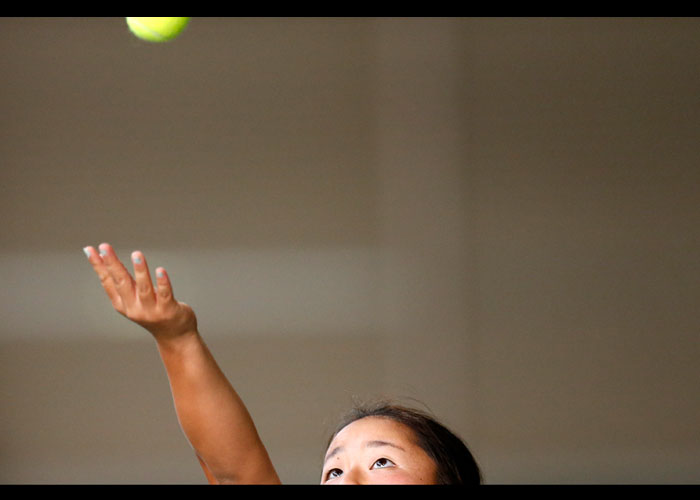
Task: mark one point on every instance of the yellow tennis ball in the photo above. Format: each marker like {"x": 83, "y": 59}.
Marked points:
{"x": 157, "y": 29}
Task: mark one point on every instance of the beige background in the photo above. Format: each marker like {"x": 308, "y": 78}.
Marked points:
{"x": 495, "y": 217}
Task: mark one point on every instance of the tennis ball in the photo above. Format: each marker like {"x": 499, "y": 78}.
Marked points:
{"x": 157, "y": 29}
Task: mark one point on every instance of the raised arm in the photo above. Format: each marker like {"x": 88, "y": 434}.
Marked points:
{"x": 211, "y": 414}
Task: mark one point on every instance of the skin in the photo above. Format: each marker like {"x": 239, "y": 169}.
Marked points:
{"x": 372, "y": 450}
{"x": 376, "y": 450}
{"x": 211, "y": 414}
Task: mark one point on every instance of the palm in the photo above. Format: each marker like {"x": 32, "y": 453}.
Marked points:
{"x": 136, "y": 298}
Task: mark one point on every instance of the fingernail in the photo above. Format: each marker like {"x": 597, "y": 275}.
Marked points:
{"x": 86, "y": 251}
{"x": 136, "y": 258}
{"x": 159, "y": 273}
{"x": 103, "y": 252}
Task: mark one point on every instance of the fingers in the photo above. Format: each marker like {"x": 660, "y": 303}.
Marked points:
{"x": 142, "y": 280}
{"x": 165, "y": 289}
{"x": 129, "y": 295}
{"x": 105, "y": 277}
{"x": 147, "y": 294}
{"x": 123, "y": 282}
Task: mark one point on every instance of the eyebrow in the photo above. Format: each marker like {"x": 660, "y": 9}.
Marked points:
{"x": 377, "y": 444}
{"x": 369, "y": 444}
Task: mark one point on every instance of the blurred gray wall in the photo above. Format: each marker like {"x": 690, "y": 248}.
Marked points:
{"x": 497, "y": 218}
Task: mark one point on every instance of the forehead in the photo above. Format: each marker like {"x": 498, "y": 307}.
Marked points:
{"x": 373, "y": 428}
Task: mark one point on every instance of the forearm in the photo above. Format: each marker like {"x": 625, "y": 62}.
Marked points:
{"x": 212, "y": 415}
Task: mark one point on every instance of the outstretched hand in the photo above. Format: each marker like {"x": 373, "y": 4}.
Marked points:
{"x": 152, "y": 307}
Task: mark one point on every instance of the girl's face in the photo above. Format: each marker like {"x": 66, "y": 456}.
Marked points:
{"x": 376, "y": 450}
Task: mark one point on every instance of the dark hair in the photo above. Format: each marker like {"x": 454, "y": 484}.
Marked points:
{"x": 455, "y": 463}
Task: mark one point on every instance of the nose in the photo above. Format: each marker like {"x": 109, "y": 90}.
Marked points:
{"x": 351, "y": 476}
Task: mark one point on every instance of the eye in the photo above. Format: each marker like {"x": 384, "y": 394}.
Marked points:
{"x": 382, "y": 463}
{"x": 333, "y": 473}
